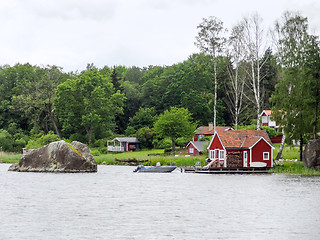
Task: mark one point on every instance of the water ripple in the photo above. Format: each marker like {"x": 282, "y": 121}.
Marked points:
{"x": 118, "y": 204}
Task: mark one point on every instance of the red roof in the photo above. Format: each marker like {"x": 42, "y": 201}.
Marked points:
{"x": 204, "y": 130}
{"x": 242, "y": 138}
{"x": 268, "y": 112}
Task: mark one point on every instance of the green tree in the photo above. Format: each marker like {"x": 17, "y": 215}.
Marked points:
{"x": 210, "y": 40}
{"x": 131, "y": 86}
{"x": 152, "y": 91}
{"x": 37, "y": 94}
{"x": 88, "y": 102}
{"x": 145, "y": 117}
{"x": 296, "y": 97}
{"x": 174, "y": 123}
{"x": 146, "y": 136}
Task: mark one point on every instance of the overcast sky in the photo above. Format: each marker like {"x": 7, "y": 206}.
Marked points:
{"x": 72, "y": 33}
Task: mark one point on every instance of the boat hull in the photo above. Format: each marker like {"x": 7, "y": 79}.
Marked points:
{"x": 161, "y": 169}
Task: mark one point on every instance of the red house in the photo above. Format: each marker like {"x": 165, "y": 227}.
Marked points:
{"x": 123, "y": 144}
{"x": 267, "y": 120}
{"x": 243, "y": 148}
{"x": 205, "y": 131}
{"x": 196, "y": 148}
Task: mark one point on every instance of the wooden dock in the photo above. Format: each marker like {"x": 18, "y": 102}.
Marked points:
{"x": 222, "y": 170}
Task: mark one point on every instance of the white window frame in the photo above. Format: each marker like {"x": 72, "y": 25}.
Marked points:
{"x": 211, "y": 154}
{"x": 266, "y": 158}
{"x": 221, "y": 154}
{"x": 264, "y": 119}
{"x": 191, "y": 150}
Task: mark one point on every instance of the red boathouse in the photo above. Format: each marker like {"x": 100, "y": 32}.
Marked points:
{"x": 243, "y": 148}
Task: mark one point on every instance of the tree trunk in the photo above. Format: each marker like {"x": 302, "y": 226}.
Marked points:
{"x": 315, "y": 119}
{"x": 301, "y": 146}
{"x": 215, "y": 94}
{"x": 281, "y": 147}
{"x": 173, "y": 146}
{"x": 89, "y": 132}
{"x": 54, "y": 124}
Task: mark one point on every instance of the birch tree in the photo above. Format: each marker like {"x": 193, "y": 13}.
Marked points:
{"x": 235, "y": 88}
{"x": 210, "y": 40}
{"x": 253, "y": 44}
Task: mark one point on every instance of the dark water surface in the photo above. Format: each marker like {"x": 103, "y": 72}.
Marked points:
{"x": 116, "y": 203}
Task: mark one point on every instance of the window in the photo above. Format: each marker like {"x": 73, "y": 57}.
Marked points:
{"x": 200, "y": 136}
{"x": 265, "y": 155}
{"x": 211, "y": 154}
{"x": 221, "y": 155}
{"x": 191, "y": 150}
{"x": 264, "y": 119}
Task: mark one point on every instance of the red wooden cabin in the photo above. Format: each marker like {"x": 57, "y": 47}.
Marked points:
{"x": 254, "y": 147}
{"x": 195, "y": 148}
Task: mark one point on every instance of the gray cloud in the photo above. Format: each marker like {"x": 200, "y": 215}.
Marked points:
{"x": 72, "y": 33}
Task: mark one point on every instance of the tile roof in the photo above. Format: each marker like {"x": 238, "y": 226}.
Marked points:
{"x": 250, "y": 141}
{"x": 204, "y": 130}
{"x": 242, "y": 138}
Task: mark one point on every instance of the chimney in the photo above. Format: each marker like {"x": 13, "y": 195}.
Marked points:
{"x": 210, "y": 126}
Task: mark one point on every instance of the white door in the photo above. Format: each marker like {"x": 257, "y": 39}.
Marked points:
{"x": 245, "y": 158}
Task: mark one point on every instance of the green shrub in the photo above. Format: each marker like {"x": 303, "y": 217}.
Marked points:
{"x": 247, "y": 127}
{"x": 100, "y": 143}
{"x": 168, "y": 150}
{"x": 95, "y": 153}
{"x": 146, "y": 136}
{"x": 271, "y": 132}
{"x": 103, "y": 150}
{"x": 19, "y": 144}
{"x": 130, "y": 131}
{"x": 42, "y": 140}
{"x": 78, "y": 137}
{"x": 164, "y": 143}
{"x": 182, "y": 141}
{"x": 6, "y": 141}
{"x": 207, "y": 138}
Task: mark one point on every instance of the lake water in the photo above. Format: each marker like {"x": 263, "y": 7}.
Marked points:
{"x": 116, "y": 203}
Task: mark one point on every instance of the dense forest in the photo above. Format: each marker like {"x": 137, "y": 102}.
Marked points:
{"x": 233, "y": 79}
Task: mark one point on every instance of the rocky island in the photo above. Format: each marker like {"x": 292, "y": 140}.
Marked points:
{"x": 58, "y": 156}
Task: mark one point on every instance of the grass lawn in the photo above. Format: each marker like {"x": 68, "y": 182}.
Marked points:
{"x": 9, "y": 157}
{"x": 294, "y": 167}
{"x": 289, "y": 152}
{"x": 180, "y": 160}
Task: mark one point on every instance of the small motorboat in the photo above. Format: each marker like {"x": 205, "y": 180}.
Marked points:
{"x": 155, "y": 169}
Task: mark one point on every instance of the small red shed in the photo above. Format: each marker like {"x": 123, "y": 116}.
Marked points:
{"x": 196, "y": 148}
{"x": 254, "y": 146}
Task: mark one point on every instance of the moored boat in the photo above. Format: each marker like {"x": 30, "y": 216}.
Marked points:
{"x": 155, "y": 169}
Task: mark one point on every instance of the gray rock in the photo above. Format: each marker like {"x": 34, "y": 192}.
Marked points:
{"x": 311, "y": 154}
{"x": 57, "y": 157}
